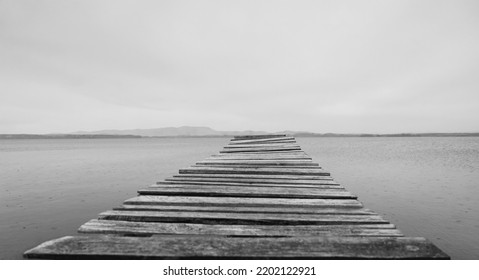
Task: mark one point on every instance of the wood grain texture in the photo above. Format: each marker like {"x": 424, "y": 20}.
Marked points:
{"x": 230, "y": 191}
{"x": 246, "y": 209}
{"x": 221, "y": 181}
{"x": 242, "y": 201}
{"x": 259, "y": 162}
{"x": 266, "y": 149}
{"x": 259, "y": 136}
{"x": 256, "y": 170}
{"x": 214, "y": 247}
{"x": 264, "y": 141}
{"x": 141, "y": 228}
{"x": 256, "y": 165}
{"x": 326, "y": 185}
{"x": 262, "y": 156}
{"x": 269, "y": 152}
{"x": 240, "y": 218}
{"x": 270, "y": 139}
{"x": 263, "y": 145}
{"x": 265, "y": 177}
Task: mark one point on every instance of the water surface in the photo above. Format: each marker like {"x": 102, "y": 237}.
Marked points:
{"x": 426, "y": 186}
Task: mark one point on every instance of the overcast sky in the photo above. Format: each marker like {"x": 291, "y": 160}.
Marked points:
{"x": 321, "y": 66}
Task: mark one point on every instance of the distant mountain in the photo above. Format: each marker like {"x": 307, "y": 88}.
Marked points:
{"x": 64, "y": 136}
{"x": 202, "y": 131}
{"x": 170, "y": 132}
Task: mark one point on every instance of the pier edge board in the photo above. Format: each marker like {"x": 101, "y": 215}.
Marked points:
{"x": 106, "y": 246}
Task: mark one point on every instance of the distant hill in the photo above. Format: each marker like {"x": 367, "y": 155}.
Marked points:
{"x": 63, "y": 136}
{"x": 203, "y": 131}
{"x": 170, "y": 132}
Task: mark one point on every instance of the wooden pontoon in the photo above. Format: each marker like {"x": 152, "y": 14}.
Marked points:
{"x": 261, "y": 197}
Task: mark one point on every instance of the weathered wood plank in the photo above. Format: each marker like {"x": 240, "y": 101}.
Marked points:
{"x": 269, "y": 141}
{"x": 265, "y": 149}
{"x": 260, "y": 146}
{"x": 142, "y": 228}
{"x": 287, "y": 138}
{"x": 255, "y": 170}
{"x": 220, "y": 191}
{"x": 251, "y": 182}
{"x": 243, "y": 201}
{"x": 285, "y": 161}
{"x": 294, "y": 180}
{"x": 259, "y": 188}
{"x": 327, "y": 185}
{"x": 239, "y": 156}
{"x": 293, "y": 155}
{"x": 267, "y": 153}
{"x": 213, "y": 247}
{"x": 256, "y": 176}
{"x": 301, "y": 163}
{"x": 259, "y": 136}
{"x": 260, "y": 157}
{"x": 254, "y": 165}
{"x": 256, "y": 182}
{"x": 240, "y": 218}
{"x": 246, "y": 209}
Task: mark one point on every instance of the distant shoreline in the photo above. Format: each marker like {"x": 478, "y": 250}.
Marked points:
{"x": 324, "y": 135}
{"x": 63, "y": 136}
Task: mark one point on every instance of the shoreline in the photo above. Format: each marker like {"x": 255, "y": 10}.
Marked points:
{"x": 327, "y": 135}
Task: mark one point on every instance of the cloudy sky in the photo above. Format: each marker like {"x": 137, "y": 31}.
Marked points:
{"x": 321, "y": 66}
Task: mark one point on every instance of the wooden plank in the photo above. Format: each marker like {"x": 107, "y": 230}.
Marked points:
{"x": 142, "y": 228}
{"x": 246, "y": 209}
{"x": 257, "y": 159}
{"x": 256, "y": 150}
{"x": 259, "y": 136}
{"x": 263, "y": 141}
{"x": 257, "y": 176}
{"x": 259, "y": 162}
{"x": 239, "y": 158}
{"x": 262, "y": 156}
{"x": 240, "y": 218}
{"x": 278, "y": 154}
{"x": 233, "y": 158}
{"x": 254, "y": 165}
{"x": 256, "y": 170}
{"x": 288, "y": 138}
{"x": 272, "y": 141}
{"x": 268, "y": 153}
{"x": 252, "y": 182}
{"x": 265, "y": 153}
{"x": 243, "y": 201}
{"x": 229, "y": 191}
{"x": 326, "y": 185}
{"x": 214, "y": 247}
{"x": 235, "y": 187}
{"x": 268, "y": 145}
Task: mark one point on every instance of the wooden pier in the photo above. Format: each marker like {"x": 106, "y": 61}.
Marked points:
{"x": 261, "y": 197}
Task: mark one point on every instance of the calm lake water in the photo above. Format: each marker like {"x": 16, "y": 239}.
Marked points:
{"x": 426, "y": 186}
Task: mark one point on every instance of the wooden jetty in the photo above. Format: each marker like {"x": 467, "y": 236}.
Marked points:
{"x": 261, "y": 197}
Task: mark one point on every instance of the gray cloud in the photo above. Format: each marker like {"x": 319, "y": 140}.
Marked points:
{"x": 324, "y": 66}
